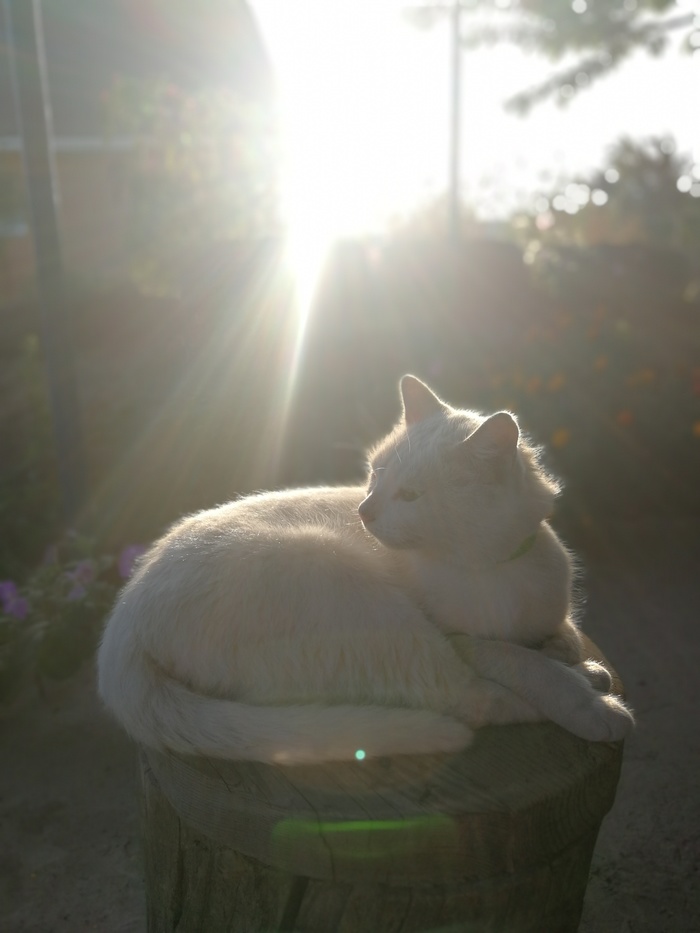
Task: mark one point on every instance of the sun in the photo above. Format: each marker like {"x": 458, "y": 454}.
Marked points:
{"x": 362, "y": 129}
{"x": 364, "y": 104}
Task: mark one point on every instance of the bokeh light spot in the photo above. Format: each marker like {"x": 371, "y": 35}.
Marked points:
{"x": 560, "y": 438}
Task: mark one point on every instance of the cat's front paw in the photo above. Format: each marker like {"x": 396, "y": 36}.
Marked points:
{"x": 596, "y": 674}
{"x": 607, "y": 719}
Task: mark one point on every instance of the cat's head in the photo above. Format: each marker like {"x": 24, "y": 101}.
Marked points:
{"x": 447, "y": 478}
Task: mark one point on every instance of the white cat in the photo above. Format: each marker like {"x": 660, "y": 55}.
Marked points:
{"x": 309, "y": 624}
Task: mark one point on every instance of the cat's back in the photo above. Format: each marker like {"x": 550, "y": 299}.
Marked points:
{"x": 251, "y": 555}
{"x": 217, "y": 540}
{"x": 276, "y": 514}
{"x": 332, "y": 506}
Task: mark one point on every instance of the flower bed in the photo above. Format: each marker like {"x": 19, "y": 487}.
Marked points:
{"x": 50, "y": 622}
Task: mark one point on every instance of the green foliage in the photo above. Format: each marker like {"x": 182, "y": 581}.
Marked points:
{"x": 50, "y": 624}
{"x": 647, "y": 192}
{"x": 604, "y": 33}
{"x": 634, "y": 203}
{"x": 29, "y": 493}
{"x": 614, "y": 399}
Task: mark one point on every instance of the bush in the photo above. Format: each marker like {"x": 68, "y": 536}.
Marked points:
{"x": 50, "y": 623}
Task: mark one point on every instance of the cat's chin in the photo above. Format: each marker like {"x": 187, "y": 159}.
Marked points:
{"x": 394, "y": 542}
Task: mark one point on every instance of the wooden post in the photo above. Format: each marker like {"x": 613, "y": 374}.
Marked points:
{"x": 497, "y": 838}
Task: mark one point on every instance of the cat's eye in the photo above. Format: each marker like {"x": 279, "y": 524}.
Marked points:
{"x": 406, "y": 494}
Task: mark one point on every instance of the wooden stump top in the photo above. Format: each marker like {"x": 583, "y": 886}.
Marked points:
{"x": 517, "y": 798}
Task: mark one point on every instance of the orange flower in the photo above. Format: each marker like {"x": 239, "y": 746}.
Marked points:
{"x": 600, "y": 363}
{"x": 564, "y": 321}
{"x": 560, "y": 437}
{"x": 624, "y": 418}
{"x": 696, "y": 429}
{"x": 557, "y": 381}
{"x": 643, "y": 377}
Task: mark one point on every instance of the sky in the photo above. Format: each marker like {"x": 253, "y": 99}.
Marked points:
{"x": 365, "y": 99}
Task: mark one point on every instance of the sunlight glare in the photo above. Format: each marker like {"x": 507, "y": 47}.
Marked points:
{"x": 358, "y": 121}
{"x": 364, "y": 106}
{"x": 352, "y": 107}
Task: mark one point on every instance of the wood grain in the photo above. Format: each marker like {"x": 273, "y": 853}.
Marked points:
{"x": 497, "y": 838}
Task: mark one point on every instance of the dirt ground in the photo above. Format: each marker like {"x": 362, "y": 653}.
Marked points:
{"x": 69, "y": 845}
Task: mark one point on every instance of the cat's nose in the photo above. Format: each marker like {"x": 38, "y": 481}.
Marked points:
{"x": 366, "y": 511}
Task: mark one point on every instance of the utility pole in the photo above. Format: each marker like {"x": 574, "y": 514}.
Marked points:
{"x": 425, "y": 12}
{"x": 32, "y": 105}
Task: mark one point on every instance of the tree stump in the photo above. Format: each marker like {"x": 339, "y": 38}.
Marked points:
{"x": 496, "y": 839}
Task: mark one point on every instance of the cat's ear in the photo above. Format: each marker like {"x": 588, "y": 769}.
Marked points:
{"x": 490, "y": 451}
{"x": 419, "y": 401}
{"x": 496, "y": 438}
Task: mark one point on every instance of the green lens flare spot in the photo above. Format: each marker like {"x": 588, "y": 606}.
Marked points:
{"x": 363, "y": 840}
{"x": 359, "y": 754}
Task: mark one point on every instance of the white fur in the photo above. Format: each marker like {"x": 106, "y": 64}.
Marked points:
{"x": 281, "y": 628}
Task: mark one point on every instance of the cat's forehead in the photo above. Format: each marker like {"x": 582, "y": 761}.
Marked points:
{"x": 422, "y": 444}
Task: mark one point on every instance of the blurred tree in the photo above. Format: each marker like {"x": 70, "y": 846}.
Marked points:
{"x": 647, "y": 192}
{"x": 203, "y": 173}
{"x": 637, "y": 220}
{"x": 210, "y": 42}
{"x": 601, "y": 33}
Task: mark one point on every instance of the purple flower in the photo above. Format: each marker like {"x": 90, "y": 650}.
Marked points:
{"x": 17, "y": 607}
{"x": 12, "y": 603}
{"x": 77, "y": 592}
{"x": 8, "y": 592}
{"x": 80, "y": 576}
{"x": 83, "y": 572}
{"x": 128, "y": 559}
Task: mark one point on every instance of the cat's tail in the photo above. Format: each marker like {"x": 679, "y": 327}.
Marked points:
{"x": 162, "y": 713}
